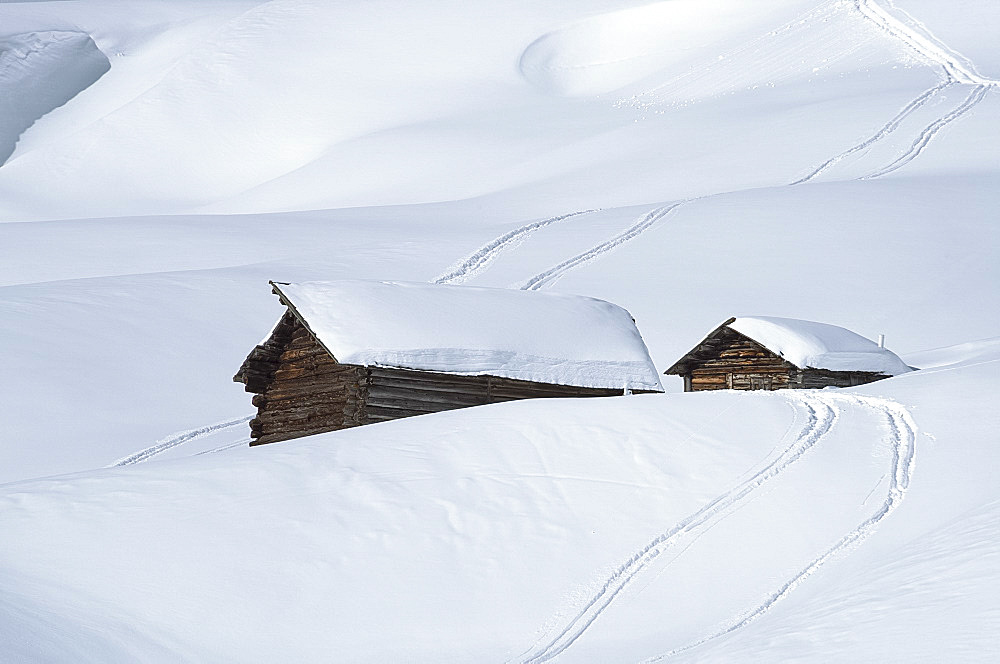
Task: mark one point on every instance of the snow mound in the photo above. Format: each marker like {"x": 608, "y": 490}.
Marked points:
{"x": 542, "y": 337}
{"x": 40, "y": 71}
{"x": 606, "y": 52}
{"x": 684, "y": 50}
{"x": 973, "y": 352}
{"x": 819, "y": 345}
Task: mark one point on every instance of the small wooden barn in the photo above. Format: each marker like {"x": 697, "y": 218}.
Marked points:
{"x": 765, "y": 353}
{"x": 348, "y": 353}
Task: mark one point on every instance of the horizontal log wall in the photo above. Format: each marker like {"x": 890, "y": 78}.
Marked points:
{"x": 307, "y": 392}
{"x": 820, "y": 378}
{"x": 301, "y": 390}
{"x": 731, "y": 361}
{"x": 394, "y": 393}
{"x": 744, "y": 378}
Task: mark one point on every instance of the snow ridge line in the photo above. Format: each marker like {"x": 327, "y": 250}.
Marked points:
{"x": 644, "y": 223}
{"x": 977, "y": 95}
{"x": 821, "y": 417}
{"x": 489, "y": 252}
{"x": 938, "y": 52}
{"x": 176, "y": 439}
{"x": 902, "y": 433}
{"x": 889, "y": 127}
{"x": 921, "y": 28}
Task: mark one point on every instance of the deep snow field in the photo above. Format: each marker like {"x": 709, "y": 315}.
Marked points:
{"x": 689, "y": 160}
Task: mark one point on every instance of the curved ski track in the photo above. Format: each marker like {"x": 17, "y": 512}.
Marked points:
{"x": 479, "y": 259}
{"x": 644, "y": 223}
{"x": 902, "y": 434}
{"x": 957, "y": 69}
{"x": 955, "y": 66}
{"x": 977, "y": 95}
{"x": 889, "y": 127}
{"x": 176, "y": 439}
{"x": 821, "y": 417}
{"x": 823, "y": 414}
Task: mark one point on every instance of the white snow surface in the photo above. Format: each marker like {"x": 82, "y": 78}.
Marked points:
{"x": 471, "y": 331}
{"x": 821, "y": 160}
{"x": 815, "y": 345}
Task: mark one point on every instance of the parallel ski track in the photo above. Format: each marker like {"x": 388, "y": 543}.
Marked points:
{"x": 239, "y": 443}
{"x": 479, "y": 259}
{"x": 889, "y": 127}
{"x": 176, "y": 439}
{"x": 954, "y": 64}
{"x": 957, "y": 69}
{"x": 902, "y": 436}
{"x": 643, "y": 224}
{"x": 977, "y": 94}
{"x": 821, "y": 417}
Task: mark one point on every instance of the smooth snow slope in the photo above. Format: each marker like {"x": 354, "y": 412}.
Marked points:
{"x": 388, "y": 103}
{"x": 622, "y": 529}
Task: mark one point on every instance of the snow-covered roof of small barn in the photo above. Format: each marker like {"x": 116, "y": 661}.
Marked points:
{"x": 808, "y": 344}
{"x": 525, "y": 335}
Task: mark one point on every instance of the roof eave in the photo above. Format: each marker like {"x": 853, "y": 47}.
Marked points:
{"x": 677, "y": 368}
{"x": 275, "y": 288}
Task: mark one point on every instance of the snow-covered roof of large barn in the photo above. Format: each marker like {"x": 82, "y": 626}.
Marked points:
{"x": 525, "y": 335}
{"x": 808, "y": 344}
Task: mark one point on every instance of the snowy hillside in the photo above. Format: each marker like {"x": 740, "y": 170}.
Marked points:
{"x": 687, "y": 160}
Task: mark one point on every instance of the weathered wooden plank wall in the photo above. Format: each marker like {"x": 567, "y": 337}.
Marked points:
{"x": 301, "y": 390}
{"x": 729, "y": 360}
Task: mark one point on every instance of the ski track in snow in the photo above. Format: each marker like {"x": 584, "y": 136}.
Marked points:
{"x": 902, "y": 434}
{"x": 238, "y": 443}
{"x": 179, "y": 438}
{"x": 823, "y": 413}
{"x": 889, "y": 127}
{"x": 957, "y": 67}
{"x": 644, "y": 223}
{"x": 977, "y": 95}
{"x": 478, "y": 260}
{"x": 821, "y": 417}
{"x": 957, "y": 70}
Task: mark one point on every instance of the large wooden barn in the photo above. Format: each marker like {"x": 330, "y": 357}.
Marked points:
{"x": 764, "y": 353}
{"x": 348, "y": 353}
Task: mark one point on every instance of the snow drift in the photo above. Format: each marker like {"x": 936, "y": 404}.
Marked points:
{"x": 40, "y": 71}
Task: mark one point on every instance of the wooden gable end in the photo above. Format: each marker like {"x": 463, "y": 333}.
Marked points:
{"x": 300, "y": 388}
{"x": 726, "y": 359}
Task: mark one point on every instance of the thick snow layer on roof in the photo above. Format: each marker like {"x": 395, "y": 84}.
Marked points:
{"x": 818, "y": 345}
{"x": 526, "y": 335}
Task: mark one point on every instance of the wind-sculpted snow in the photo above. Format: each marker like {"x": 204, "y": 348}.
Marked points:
{"x": 40, "y": 71}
